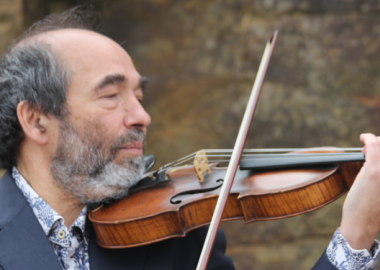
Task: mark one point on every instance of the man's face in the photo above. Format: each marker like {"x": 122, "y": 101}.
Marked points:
{"x": 106, "y": 125}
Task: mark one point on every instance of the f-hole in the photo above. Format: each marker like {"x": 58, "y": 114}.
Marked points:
{"x": 195, "y": 191}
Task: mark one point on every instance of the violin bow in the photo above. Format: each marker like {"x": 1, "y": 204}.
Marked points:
{"x": 236, "y": 154}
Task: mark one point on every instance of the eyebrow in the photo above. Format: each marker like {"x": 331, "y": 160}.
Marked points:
{"x": 120, "y": 79}
{"x": 110, "y": 80}
{"x": 143, "y": 83}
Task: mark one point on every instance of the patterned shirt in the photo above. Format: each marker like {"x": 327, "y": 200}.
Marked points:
{"x": 344, "y": 257}
{"x": 70, "y": 245}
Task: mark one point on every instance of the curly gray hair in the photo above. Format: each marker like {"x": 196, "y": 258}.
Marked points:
{"x": 31, "y": 71}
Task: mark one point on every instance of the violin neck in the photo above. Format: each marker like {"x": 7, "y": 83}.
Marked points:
{"x": 288, "y": 161}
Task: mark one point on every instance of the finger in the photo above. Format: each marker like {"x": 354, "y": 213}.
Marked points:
{"x": 365, "y": 135}
{"x": 362, "y": 138}
{"x": 371, "y": 148}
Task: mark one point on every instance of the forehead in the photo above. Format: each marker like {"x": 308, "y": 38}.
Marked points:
{"x": 89, "y": 55}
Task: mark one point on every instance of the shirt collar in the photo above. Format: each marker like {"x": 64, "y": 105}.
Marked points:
{"x": 45, "y": 214}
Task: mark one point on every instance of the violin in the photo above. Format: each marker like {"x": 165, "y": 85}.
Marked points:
{"x": 268, "y": 185}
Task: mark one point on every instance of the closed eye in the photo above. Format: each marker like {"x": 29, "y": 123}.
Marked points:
{"x": 110, "y": 96}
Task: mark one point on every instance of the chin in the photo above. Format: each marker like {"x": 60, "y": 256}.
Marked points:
{"x": 125, "y": 158}
{"x": 104, "y": 195}
{"x": 110, "y": 182}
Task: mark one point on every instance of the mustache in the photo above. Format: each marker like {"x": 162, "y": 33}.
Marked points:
{"x": 134, "y": 135}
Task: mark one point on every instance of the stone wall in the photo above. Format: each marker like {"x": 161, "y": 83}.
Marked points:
{"x": 11, "y": 24}
{"x": 322, "y": 88}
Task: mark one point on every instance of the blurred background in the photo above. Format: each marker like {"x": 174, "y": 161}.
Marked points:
{"x": 322, "y": 89}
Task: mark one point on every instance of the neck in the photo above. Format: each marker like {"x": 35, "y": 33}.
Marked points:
{"x": 42, "y": 182}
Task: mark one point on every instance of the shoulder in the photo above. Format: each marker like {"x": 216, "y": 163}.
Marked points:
{"x": 11, "y": 199}
{"x": 324, "y": 263}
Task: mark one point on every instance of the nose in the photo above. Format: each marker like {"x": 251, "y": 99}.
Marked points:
{"x": 136, "y": 115}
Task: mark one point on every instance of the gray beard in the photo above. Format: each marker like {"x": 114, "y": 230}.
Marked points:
{"x": 82, "y": 169}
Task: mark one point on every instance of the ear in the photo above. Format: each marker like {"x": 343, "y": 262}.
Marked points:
{"x": 33, "y": 122}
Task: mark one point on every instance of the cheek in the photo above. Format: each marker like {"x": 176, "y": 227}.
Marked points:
{"x": 109, "y": 127}
{"x": 105, "y": 125}
{"x": 112, "y": 124}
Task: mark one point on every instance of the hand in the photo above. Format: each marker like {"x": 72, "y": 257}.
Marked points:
{"x": 361, "y": 209}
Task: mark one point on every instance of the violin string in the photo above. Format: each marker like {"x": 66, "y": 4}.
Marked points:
{"x": 279, "y": 150}
{"x": 286, "y": 155}
{"x": 265, "y": 156}
{"x": 181, "y": 160}
{"x": 263, "y": 150}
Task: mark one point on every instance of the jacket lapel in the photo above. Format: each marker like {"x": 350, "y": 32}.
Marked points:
{"x": 23, "y": 244}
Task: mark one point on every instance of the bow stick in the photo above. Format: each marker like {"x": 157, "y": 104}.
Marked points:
{"x": 236, "y": 154}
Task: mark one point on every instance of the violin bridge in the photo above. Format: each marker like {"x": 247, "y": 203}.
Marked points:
{"x": 201, "y": 165}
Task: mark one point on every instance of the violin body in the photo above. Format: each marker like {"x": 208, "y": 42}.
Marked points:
{"x": 161, "y": 212}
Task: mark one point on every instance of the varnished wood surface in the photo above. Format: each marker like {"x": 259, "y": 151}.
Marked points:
{"x": 149, "y": 216}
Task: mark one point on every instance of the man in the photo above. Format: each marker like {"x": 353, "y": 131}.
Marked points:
{"x": 72, "y": 131}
